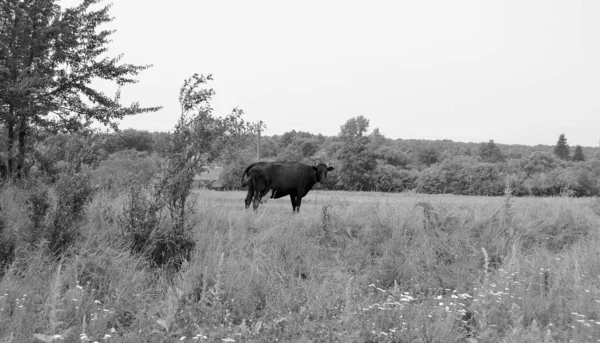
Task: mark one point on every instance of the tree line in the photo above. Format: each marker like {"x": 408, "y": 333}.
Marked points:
{"x": 369, "y": 161}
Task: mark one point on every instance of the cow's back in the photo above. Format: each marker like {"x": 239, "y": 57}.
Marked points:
{"x": 290, "y": 176}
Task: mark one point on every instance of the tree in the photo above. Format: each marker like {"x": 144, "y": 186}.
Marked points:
{"x": 354, "y": 127}
{"x": 198, "y": 140}
{"x": 489, "y": 152}
{"x": 358, "y": 161}
{"x": 48, "y": 60}
{"x": 562, "y": 148}
{"x": 578, "y": 154}
{"x": 427, "y": 156}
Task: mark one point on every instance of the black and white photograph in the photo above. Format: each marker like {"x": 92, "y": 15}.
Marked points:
{"x": 317, "y": 171}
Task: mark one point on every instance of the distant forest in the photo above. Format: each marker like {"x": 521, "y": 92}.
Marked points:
{"x": 368, "y": 161}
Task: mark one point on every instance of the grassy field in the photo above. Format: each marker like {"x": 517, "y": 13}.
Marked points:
{"x": 350, "y": 267}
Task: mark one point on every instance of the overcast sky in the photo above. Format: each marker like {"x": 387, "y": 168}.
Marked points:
{"x": 516, "y": 71}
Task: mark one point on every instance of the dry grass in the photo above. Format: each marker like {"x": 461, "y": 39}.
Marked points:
{"x": 351, "y": 267}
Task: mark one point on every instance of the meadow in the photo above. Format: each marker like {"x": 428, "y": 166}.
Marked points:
{"x": 350, "y": 267}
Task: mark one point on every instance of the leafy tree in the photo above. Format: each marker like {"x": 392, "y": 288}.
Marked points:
{"x": 354, "y": 127}
{"x": 198, "y": 140}
{"x": 357, "y": 161}
{"x": 48, "y": 60}
{"x": 540, "y": 162}
{"x": 136, "y": 139}
{"x": 578, "y": 154}
{"x": 490, "y": 152}
{"x": 427, "y": 156}
{"x": 562, "y": 148}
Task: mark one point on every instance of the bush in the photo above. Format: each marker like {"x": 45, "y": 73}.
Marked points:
{"x": 147, "y": 231}
{"x": 73, "y": 191}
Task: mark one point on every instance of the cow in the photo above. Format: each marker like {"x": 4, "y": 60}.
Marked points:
{"x": 282, "y": 178}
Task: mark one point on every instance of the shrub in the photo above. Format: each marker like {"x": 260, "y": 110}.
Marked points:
{"x": 73, "y": 191}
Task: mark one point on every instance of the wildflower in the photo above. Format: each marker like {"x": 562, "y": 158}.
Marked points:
{"x": 182, "y": 338}
{"x": 57, "y": 337}
{"x": 227, "y": 340}
{"x": 97, "y": 302}
{"x": 441, "y": 304}
{"x": 107, "y": 336}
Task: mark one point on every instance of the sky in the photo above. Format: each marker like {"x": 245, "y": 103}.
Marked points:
{"x": 515, "y": 71}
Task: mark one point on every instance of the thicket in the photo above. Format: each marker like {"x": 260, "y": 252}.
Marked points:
{"x": 371, "y": 162}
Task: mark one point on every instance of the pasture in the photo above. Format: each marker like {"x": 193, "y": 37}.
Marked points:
{"x": 350, "y": 267}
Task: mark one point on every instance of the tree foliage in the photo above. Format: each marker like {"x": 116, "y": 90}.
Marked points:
{"x": 562, "y": 148}
{"x": 198, "y": 140}
{"x": 357, "y": 161}
{"x": 578, "y": 154}
{"x": 490, "y": 153}
{"x": 48, "y": 60}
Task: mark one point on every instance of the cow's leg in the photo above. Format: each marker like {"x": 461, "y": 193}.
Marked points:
{"x": 249, "y": 196}
{"x": 256, "y": 200}
{"x": 293, "y": 197}
{"x": 298, "y": 202}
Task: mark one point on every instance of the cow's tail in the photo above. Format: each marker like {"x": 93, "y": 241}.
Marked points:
{"x": 246, "y": 172}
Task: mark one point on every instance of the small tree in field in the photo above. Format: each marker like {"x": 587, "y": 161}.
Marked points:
{"x": 562, "y": 148}
{"x": 578, "y": 154}
{"x": 199, "y": 139}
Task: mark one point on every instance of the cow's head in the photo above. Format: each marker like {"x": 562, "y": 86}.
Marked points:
{"x": 321, "y": 170}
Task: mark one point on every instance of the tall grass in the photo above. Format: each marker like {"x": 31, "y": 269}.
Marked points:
{"x": 351, "y": 267}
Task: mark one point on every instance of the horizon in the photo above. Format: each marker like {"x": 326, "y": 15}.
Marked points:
{"x": 466, "y": 71}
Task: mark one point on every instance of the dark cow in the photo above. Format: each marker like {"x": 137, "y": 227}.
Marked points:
{"x": 282, "y": 178}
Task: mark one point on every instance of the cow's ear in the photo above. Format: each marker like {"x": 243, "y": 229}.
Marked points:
{"x": 315, "y": 168}
{"x": 330, "y": 168}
